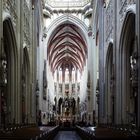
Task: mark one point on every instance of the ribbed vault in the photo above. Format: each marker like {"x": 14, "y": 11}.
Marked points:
{"x": 67, "y": 48}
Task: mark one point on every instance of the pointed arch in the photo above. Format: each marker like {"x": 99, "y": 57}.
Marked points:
{"x": 126, "y": 49}
{"x": 11, "y": 51}
{"x": 66, "y": 43}
{"x": 109, "y": 91}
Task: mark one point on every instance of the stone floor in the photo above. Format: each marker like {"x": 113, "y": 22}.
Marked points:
{"x": 67, "y": 135}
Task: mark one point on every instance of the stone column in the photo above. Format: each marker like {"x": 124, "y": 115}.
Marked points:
{"x": 63, "y": 83}
{"x": 18, "y": 35}
{"x": 63, "y": 89}
{"x": 101, "y": 63}
{"x": 76, "y": 86}
{"x": 1, "y": 36}
{"x": 118, "y": 96}
{"x": 138, "y": 43}
{"x": 116, "y": 119}
{"x": 57, "y": 93}
{"x": 1, "y": 25}
{"x": 76, "y": 94}
{"x": 70, "y": 83}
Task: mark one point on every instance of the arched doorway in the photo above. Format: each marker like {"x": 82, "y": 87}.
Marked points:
{"x": 109, "y": 95}
{"x": 8, "y": 75}
{"x": 128, "y": 71}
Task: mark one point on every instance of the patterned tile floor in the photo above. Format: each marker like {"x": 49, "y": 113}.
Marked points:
{"x": 67, "y": 135}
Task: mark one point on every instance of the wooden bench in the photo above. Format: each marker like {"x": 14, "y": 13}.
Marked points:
{"x": 33, "y": 133}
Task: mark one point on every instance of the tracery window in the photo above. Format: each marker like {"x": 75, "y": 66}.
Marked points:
{"x": 78, "y": 76}
{"x": 73, "y": 76}
{"x": 67, "y": 76}
{"x": 55, "y": 76}
{"x": 60, "y": 75}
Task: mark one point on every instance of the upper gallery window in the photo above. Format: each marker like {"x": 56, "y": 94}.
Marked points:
{"x": 67, "y": 76}
{"x": 67, "y": 3}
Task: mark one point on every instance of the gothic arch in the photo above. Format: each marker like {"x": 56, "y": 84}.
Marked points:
{"x": 64, "y": 38}
{"x": 126, "y": 50}
{"x": 68, "y": 19}
{"x": 109, "y": 93}
{"x": 11, "y": 58}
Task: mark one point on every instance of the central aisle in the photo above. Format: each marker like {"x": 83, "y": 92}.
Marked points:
{"x": 67, "y": 135}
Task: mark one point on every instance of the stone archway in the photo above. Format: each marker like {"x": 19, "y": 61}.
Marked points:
{"x": 64, "y": 20}
{"x": 109, "y": 77}
{"x": 9, "y": 76}
{"x": 128, "y": 71}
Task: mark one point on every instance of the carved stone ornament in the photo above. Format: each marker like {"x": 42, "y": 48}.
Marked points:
{"x": 3, "y": 71}
{"x": 124, "y": 4}
{"x": 10, "y": 6}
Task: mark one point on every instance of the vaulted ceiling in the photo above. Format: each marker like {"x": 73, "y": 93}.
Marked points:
{"x": 67, "y": 48}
